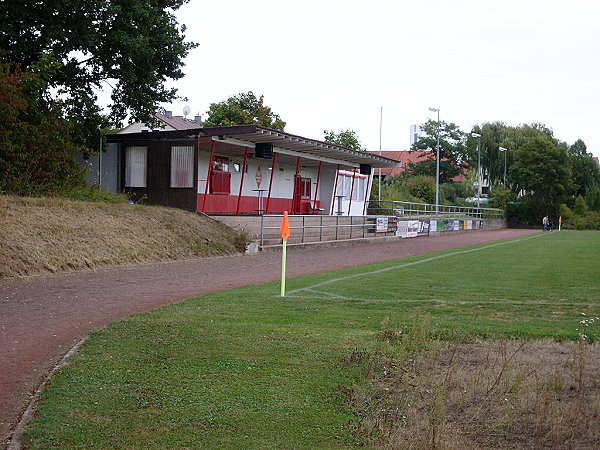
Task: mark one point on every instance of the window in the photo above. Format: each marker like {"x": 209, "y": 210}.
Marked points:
{"x": 344, "y": 187}
{"x": 221, "y": 163}
{"x": 182, "y": 167}
{"x": 135, "y": 166}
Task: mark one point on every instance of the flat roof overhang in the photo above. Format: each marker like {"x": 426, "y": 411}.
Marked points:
{"x": 256, "y": 134}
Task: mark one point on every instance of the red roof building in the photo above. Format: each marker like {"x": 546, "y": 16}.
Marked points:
{"x": 405, "y": 157}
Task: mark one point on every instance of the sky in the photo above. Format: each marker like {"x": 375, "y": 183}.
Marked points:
{"x": 344, "y": 64}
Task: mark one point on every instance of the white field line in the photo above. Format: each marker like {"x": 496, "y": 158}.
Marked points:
{"x": 330, "y": 294}
{"x": 414, "y": 263}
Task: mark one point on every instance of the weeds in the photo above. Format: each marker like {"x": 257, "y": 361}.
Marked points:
{"x": 427, "y": 393}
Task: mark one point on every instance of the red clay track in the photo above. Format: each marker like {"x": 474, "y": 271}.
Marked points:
{"x": 42, "y": 317}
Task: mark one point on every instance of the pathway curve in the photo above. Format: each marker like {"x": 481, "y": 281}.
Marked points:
{"x": 42, "y": 317}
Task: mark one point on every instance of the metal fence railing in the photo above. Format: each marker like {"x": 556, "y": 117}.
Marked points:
{"x": 319, "y": 228}
{"x": 413, "y": 210}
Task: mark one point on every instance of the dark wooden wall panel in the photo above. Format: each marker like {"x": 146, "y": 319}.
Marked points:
{"x": 158, "y": 189}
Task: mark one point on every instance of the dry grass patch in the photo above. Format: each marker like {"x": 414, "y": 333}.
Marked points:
{"x": 55, "y": 234}
{"x": 484, "y": 394}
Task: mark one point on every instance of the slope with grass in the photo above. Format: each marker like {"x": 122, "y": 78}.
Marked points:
{"x": 246, "y": 368}
{"x": 55, "y": 234}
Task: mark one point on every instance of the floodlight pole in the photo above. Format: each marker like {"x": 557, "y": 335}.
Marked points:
{"x": 505, "y": 151}
{"x": 379, "y": 184}
{"x": 478, "y": 137}
{"x": 437, "y": 163}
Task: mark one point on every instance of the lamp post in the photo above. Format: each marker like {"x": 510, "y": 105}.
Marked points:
{"x": 437, "y": 163}
{"x": 478, "y": 137}
{"x": 502, "y": 149}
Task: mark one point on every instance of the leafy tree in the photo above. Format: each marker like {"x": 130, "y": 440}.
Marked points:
{"x": 498, "y": 134}
{"x": 345, "y": 138}
{"x": 36, "y": 150}
{"x": 453, "y": 151}
{"x": 541, "y": 169}
{"x": 243, "y": 109}
{"x": 586, "y": 172}
{"x": 129, "y": 47}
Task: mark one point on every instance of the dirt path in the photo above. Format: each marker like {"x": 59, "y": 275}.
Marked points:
{"x": 42, "y": 317}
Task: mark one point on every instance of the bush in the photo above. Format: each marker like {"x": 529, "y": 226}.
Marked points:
{"x": 94, "y": 194}
{"x": 565, "y": 212}
{"x": 590, "y": 221}
{"x": 580, "y": 206}
{"x": 501, "y": 197}
{"x": 421, "y": 187}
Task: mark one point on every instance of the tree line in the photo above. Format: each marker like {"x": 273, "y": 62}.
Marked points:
{"x": 531, "y": 173}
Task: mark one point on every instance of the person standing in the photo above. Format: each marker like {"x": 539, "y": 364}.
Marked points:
{"x": 545, "y": 222}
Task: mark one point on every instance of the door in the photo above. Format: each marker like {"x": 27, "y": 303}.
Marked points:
{"x": 301, "y": 200}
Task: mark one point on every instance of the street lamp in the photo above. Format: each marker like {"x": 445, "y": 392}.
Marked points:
{"x": 437, "y": 163}
{"x": 478, "y": 137}
{"x": 502, "y": 149}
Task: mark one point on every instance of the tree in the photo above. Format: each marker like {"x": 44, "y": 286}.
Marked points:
{"x": 586, "y": 172}
{"x": 345, "y": 138}
{"x": 36, "y": 150}
{"x": 453, "y": 151}
{"x": 129, "y": 47}
{"x": 243, "y": 109}
{"x": 541, "y": 169}
{"x": 498, "y": 134}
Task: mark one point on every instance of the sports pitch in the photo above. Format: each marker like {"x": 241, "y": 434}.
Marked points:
{"x": 246, "y": 368}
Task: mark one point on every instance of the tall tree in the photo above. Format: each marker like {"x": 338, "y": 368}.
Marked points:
{"x": 453, "y": 151}
{"x": 498, "y": 134}
{"x": 243, "y": 109}
{"x": 541, "y": 168}
{"x": 586, "y": 172}
{"x": 130, "y": 48}
{"x": 36, "y": 150}
{"x": 345, "y": 138}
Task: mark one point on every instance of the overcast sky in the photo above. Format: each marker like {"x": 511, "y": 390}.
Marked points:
{"x": 332, "y": 64}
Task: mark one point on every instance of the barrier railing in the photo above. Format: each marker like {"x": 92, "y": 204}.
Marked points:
{"x": 417, "y": 210}
{"x": 318, "y": 228}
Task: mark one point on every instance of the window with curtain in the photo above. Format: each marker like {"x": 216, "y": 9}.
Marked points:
{"x": 182, "y": 167}
{"x": 135, "y": 166}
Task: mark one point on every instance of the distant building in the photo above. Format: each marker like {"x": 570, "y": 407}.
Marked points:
{"x": 415, "y": 134}
{"x": 404, "y": 157}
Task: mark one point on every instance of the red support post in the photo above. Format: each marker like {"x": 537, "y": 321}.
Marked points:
{"x": 271, "y": 182}
{"x": 317, "y": 187}
{"x": 210, "y": 163}
{"x": 351, "y": 190}
{"x": 237, "y": 211}
{"x": 337, "y": 174}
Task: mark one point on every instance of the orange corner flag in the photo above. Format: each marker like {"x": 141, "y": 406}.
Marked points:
{"x": 284, "y": 229}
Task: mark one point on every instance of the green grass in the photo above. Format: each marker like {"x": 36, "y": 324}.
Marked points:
{"x": 245, "y": 368}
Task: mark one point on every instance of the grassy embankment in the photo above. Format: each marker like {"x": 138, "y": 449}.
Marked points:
{"x": 55, "y": 234}
{"x": 481, "y": 348}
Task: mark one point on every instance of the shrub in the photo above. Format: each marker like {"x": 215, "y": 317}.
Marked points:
{"x": 421, "y": 187}
{"x": 94, "y": 194}
{"x": 590, "y": 221}
{"x": 501, "y": 197}
{"x": 565, "y": 212}
{"x": 580, "y": 206}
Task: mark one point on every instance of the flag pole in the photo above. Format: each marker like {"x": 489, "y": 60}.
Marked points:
{"x": 284, "y": 230}
{"x": 283, "y": 260}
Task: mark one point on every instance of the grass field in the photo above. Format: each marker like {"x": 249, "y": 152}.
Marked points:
{"x": 245, "y": 368}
